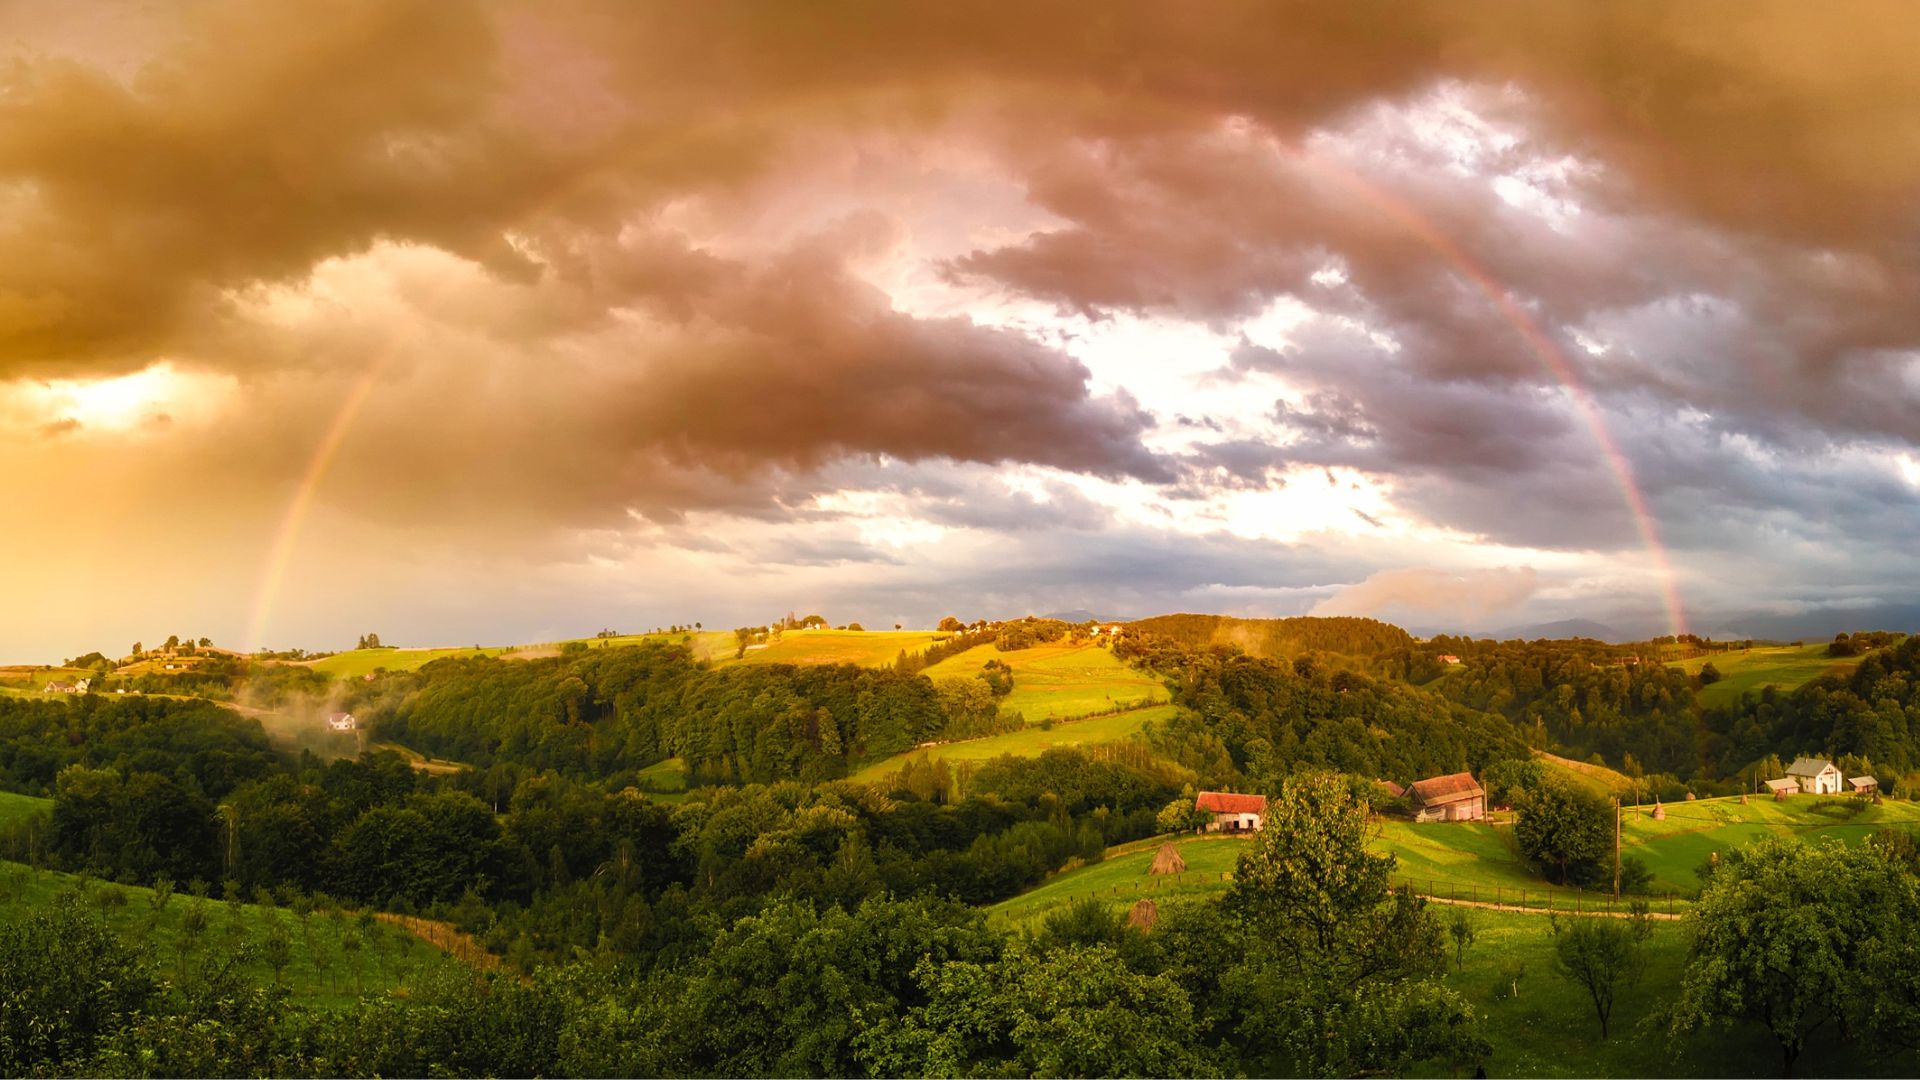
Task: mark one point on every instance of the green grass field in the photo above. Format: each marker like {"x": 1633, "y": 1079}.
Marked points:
{"x": 357, "y": 662}
{"x": 1597, "y": 779}
{"x": 1783, "y": 666}
{"x": 1059, "y": 680}
{"x": 323, "y": 971}
{"x": 1030, "y": 742}
{"x": 1676, "y": 846}
{"x": 15, "y": 808}
{"x": 866, "y": 648}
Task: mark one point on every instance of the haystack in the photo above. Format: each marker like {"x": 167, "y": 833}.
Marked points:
{"x": 1659, "y": 812}
{"x": 1144, "y": 914}
{"x": 1168, "y": 861}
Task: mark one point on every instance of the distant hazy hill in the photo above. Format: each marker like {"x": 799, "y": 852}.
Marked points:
{"x": 1280, "y": 638}
{"x": 1080, "y": 615}
{"x": 1564, "y": 628}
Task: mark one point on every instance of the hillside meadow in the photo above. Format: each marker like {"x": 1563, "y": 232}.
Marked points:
{"x": 333, "y": 957}
{"x": 1060, "y": 679}
{"x": 1031, "y": 741}
{"x": 1784, "y": 667}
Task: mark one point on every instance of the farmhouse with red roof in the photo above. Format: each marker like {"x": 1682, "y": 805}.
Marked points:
{"x": 1231, "y": 812}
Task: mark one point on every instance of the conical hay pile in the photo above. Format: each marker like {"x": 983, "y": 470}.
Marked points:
{"x": 1168, "y": 861}
{"x": 1144, "y": 914}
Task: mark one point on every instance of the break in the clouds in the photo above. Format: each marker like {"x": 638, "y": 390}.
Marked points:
{"x": 463, "y": 320}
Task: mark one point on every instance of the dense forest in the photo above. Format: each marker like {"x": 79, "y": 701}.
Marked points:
{"x": 1277, "y": 639}
{"x": 1873, "y": 713}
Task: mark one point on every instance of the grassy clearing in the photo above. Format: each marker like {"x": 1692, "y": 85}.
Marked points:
{"x": 667, "y": 777}
{"x": 866, "y": 648}
{"x": 1598, "y": 779}
{"x": 324, "y": 970}
{"x": 16, "y": 808}
{"x": 1549, "y": 1029}
{"x": 1122, "y": 878}
{"x": 1059, "y": 680}
{"x": 1030, "y": 742}
{"x": 1782, "y": 666}
{"x": 357, "y": 662}
{"x": 1675, "y": 847}
{"x": 421, "y": 762}
{"x": 34, "y": 680}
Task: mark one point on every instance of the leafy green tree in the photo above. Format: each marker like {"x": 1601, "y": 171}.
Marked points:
{"x": 1563, "y": 827}
{"x": 1460, "y": 928}
{"x": 1601, "y": 956}
{"x": 1340, "y": 975}
{"x": 1709, "y": 674}
{"x": 1791, "y": 935}
{"x": 66, "y": 982}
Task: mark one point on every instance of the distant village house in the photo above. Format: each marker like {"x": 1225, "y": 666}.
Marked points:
{"x": 1231, "y": 812}
{"x": 1783, "y": 787}
{"x": 341, "y": 721}
{"x": 1454, "y": 797}
{"x": 68, "y": 687}
{"x": 1863, "y": 785}
{"x": 1448, "y": 658}
{"x": 1816, "y": 776}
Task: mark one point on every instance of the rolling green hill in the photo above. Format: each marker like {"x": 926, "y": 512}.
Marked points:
{"x": 1782, "y": 666}
{"x": 1477, "y": 861}
{"x": 1030, "y": 742}
{"x": 865, "y": 648}
{"x": 15, "y": 808}
{"x": 333, "y": 956}
{"x": 357, "y": 662}
{"x": 1059, "y": 680}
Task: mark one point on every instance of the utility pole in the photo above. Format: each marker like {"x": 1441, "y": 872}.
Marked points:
{"x": 1616, "y": 847}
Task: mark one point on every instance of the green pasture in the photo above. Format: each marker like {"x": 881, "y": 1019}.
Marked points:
{"x": 1122, "y": 877}
{"x": 1598, "y": 779}
{"x": 1782, "y": 666}
{"x": 357, "y": 662}
{"x": 324, "y": 969}
{"x": 866, "y": 648}
{"x": 1691, "y": 832}
{"x": 665, "y": 781}
{"x": 1059, "y": 680}
{"x": 1029, "y": 742}
{"x": 17, "y": 808}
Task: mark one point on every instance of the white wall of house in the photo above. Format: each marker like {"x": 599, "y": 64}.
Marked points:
{"x": 1234, "y": 823}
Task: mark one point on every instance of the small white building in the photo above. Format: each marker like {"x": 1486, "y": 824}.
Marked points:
{"x": 342, "y": 721}
{"x": 1448, "y": 658}
{"x": 1816, "y": 776}
{"x": 1231, "y": 812}
{"x": 1453, "y": 797}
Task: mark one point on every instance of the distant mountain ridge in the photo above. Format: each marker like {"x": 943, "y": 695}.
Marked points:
{"x": 1564, "y": 628}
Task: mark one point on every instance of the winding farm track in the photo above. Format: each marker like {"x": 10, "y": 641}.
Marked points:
{"x": 443, "y": 936}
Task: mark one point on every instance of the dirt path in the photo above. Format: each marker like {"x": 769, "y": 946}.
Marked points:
{"x": 1585, "y": 913}
{"x": 443, "y": 936}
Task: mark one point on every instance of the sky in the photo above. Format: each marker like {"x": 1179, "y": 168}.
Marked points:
{"x": 485, "y": 323}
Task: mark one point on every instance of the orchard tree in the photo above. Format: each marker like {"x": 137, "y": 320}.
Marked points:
{"x": 1601, "y": 956}
{"x": 1563, "y": 827}
{"x": 1341, "y": 972}
{"x": 1843, "y": 915}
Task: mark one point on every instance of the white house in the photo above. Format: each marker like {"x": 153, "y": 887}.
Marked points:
{"x": 1231, "y": 812}
{"x": 342, "y": 721}
{"x": 1816, "y": 776}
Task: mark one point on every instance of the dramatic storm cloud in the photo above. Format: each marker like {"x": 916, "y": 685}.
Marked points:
{"x": 475, "y": 321}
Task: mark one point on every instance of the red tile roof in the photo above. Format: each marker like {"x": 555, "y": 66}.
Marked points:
{"x": 1225, "y": 802}
{"x": 1392, "y": 788}
{"x": 1438, "y": 790}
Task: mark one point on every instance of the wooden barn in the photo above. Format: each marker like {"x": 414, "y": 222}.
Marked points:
{"x": 1454, "y": 797}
